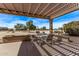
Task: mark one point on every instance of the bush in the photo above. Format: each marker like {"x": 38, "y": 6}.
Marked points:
{"x": 72, "y": 28}
{"x": 73, "y": 31}
{"x": 58, "y": 31}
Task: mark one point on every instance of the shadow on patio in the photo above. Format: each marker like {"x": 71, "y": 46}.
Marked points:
{"x": 27, "y": 48}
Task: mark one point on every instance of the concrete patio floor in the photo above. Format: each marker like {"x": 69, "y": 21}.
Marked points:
{"x": 9, "y": 49}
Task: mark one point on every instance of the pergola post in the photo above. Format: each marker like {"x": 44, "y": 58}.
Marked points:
{"x": 51, "y": 25}
{"x": 50, "y": 30}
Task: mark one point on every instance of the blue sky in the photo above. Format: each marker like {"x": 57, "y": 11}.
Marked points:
{"x": 8, "y": 20}
{"x": 73, "y": 16}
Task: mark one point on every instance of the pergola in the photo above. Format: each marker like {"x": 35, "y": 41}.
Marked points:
{"x": 40, "y": 10}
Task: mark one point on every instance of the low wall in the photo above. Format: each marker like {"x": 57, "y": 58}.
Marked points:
{"x": 12, "y": 38}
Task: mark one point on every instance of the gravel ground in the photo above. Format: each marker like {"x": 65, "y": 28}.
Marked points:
{"x": 74, "y": 39}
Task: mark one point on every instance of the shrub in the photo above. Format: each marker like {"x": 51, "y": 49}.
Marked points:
{"x": 72, "y": 28}
{"x": 73, "y": 31}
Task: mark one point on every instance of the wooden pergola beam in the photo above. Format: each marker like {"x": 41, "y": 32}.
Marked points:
{"x": 51, "y": 9}
{"x": 69, "y": 6}
{"x": 36, "y": 15}
{"x": 57, "y": 10}
{"x": 65, "y": 12}
{"x": 22, "y": 13}
{"x": 44, "y": 8}
{"x": 60, "y": 11}
{"x": 14, "y": 8}
{"x": 2, "y": 10}
{"x": 23, "y": 8}
{"x": 29, "y": 8}
{"x": 37, "y": 8}
{"x": 6, "y": 7}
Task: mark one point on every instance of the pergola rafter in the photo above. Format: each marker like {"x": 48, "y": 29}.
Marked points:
{"x": 57, "y": 9}
{"x": 1, "y": 10}
{"x": 6, "y": 7}
{"x": 51, "y": 9}
{"x": 14, "y": 9}
{"x": 65, "y": 11}
{"x": 44, "y": 8}
{"x": 36, "y": 8}
{"x": 29, "y": 8}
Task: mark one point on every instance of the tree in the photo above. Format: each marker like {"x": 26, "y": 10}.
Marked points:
{"x": 25, "y": 28}
{"x": 20, "y": 27}
{"x": 30, "y": 25}
{"x": 43, "y": 28}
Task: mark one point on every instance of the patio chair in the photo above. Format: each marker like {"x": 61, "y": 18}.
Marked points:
{"x": 50, "y": 39}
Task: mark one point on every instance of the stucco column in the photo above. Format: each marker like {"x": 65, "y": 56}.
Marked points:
{"x": 51, "y": 25}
